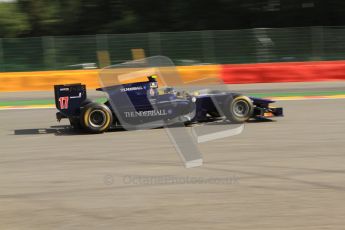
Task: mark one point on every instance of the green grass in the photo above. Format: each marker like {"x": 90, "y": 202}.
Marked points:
{"x": 26, "y": 102}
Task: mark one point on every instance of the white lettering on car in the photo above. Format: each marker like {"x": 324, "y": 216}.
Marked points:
{"x": 149, "y": 113}
{"x": 131, "y": 89}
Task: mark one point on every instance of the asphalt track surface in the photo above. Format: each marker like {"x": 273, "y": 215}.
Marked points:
{"x": 287, "y": 174}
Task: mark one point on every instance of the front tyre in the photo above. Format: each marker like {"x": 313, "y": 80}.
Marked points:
{"x": 96, "y": 118}
{"x": 238, "y": 109}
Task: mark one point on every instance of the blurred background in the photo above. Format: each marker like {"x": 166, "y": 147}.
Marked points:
{"x": 77, "y": 34}
{"x": 290, "y": 171}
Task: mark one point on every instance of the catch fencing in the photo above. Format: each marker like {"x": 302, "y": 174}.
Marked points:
{"x": 184, "y": 48}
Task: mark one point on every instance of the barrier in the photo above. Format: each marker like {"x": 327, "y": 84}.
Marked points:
{"x": 283, "y": 72}
{"x": 200, "y": 75}
{"x": 208, "y": 74}
{"x": 44, "y": 80}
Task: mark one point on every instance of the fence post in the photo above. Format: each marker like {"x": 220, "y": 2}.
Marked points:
{"x": 103, "y": 55}
{"x": 154, "y": 43}
{"x": 2, "y": 63}
{"x": 207, "y": 37}
{"x": 49, "y": 55}
{"x": 264, "y": 45}
{"x": 102, "y": 42}
{"x": 317, "y": 42}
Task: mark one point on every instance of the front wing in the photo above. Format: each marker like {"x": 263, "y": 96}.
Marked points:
{"x": 269, "y": 112}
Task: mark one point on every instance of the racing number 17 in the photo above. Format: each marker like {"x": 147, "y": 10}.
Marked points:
{"x": 63, "y": 102}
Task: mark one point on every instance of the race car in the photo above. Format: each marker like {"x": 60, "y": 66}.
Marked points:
{"x": 144, "y": 105}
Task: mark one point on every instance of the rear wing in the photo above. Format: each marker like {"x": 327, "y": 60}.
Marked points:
{"x": 68, "y": 98}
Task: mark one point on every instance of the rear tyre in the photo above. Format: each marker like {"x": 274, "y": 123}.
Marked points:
{"x": 238, "y": 109}
{"x": 96, "y": 118}
{"x": 75, "y": 121}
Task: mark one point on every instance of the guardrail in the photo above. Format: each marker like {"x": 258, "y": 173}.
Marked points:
{"x": 283, "y": 72}
{"x": 44, "y": 80}
{"x": 229, "y": 74}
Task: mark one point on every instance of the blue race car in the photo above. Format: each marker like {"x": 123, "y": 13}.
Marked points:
{"x": 144, "y": 105}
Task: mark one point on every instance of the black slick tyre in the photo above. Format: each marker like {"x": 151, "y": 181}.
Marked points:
{"x": 238, "y": 109}
{"x": 96, "y": 118}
